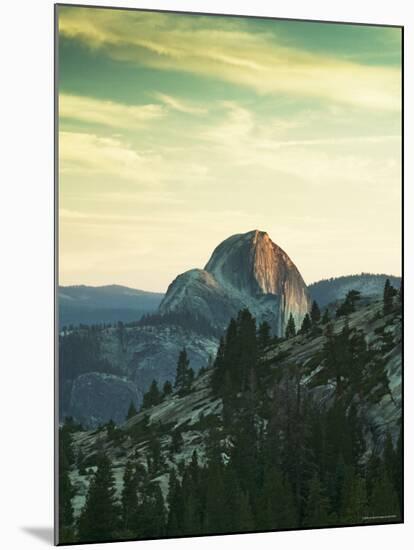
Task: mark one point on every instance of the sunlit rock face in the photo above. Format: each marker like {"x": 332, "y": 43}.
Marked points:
{"x": 246, "y": 270}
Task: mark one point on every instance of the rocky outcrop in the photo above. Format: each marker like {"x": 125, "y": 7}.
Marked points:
{"x": 97, "y": 398}
{"x": 246, "y": 270}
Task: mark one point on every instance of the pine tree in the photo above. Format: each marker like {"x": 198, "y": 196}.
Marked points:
{"x": 129, "y": 498}
{"x": 181, "y": 372}
{"x": 66, "y": 489}
{"x": 317, "y": 506}
{"x": 389, "y": 457}
{"x": 348, "y": 305}
{"x": 132, "y": 411}
{"x": 219, "y": 369}
{"x": 247, "y": 346}
{"x": 184, "y": 374}
{"x": 177, "y": 441}
{"x": 388, "y": 297}
{"x": 214, "y": 520}
{"x": 152, "y": 513}
{"x": 400, "y": 293}
{"x": 175, "y": 505}
{"x": 245, "y": 514}
{"x": 384, "y": 498}
{"x": 99, "y": 519}
{"x": 399, "y": 469}
{"x": 355, "y": 506}
{"x": 66, "y": 493}
{"x": 315, "y": 312}
{"x": 264, "y": 336}
{"x": 276, "y": 508}
{"x": 326, "y": 317}
{"x": 306, "y": 324}
{"x": 290, "y": 331}
{"x": 154, "y": 458}
{"x": 167, "y": 389}
{"x": 152, "y": 397}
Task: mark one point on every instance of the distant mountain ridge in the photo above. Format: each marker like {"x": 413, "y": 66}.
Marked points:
{"x": 330, "y": 290}
{"x": 82, "y": 304}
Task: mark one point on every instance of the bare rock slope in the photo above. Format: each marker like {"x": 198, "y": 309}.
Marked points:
{"x": 246, "y": 270}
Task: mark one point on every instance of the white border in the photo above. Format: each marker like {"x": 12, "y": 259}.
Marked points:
{"x": 26, "y": 307}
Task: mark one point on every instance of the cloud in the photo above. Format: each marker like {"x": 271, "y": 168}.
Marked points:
{"x": 88, "y": 154}
{"x": 107, "y": 113}
{"x": 179, "y": 105}
{"x": 225, "y": 49}
{"x": 243, "y": 141}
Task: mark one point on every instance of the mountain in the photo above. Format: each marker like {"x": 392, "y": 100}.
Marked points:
{"x": 246, "y": 270}
{"x": 331, "y": 290}
{"x": 98, "y": 366}
{"x": 89, "y": 305}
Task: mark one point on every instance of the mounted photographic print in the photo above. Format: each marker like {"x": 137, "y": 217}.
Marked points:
{"x": 229, "y": 262}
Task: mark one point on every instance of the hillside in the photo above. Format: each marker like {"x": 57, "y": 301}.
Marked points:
{"x": 331, "y": 290}
{"x": 291, "y": 386}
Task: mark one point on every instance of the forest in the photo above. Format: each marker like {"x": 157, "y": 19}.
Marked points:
{"x": 275, "y": 459}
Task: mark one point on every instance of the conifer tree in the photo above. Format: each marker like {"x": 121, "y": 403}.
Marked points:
{"x": 317, "y": 508}
{"x": 389, "y": 457}
{"x": 129, "y": 498}
{"x": 152, "y": 513}
{"x": 264, "y": 335}
{"x": 132, "y": 411}
{"x": 326, "y": 317}
{"x": 290, "y": 331}
{"x": 154, "y": 458}
{"x": 388, "y": 297}
{"x": 184, "y": 374}
{"x": 214, "y": 520}
{"x": 66, "y": 489}
{"x": 219, "y": 372}
{"x": 400, "y": 293}
{"x": 355, "y": 507}
{"x": 247, "y": 345}
{"x": 167, "y": 389}
{"x": 306, "y": 324}
{"x": 348, "y": 305}
{"x": 66, "y": 493}
{"x": 276, "y": 509}
{"x": 176, "y": 441}
{"x": 384, "y": 499}
{"x": 152, "y": 397}
{"x": 99, "y": 518}
{"x": 399, "y": 469}
{"x": 175, "y": 505}
{"x": 315, "y": 312}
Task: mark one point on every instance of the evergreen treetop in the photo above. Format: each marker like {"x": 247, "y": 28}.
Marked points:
{"x": 290, "y": 331}
{"x": 315, "y": 312}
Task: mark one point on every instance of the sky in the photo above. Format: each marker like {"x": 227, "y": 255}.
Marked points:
{"x": 177, "y": 131}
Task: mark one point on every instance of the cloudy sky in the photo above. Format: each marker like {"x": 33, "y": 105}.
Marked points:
{"x": 177, "y": 131}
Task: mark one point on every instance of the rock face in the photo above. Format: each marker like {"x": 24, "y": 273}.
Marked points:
{"x": 246, "y": 270}
{"x": 149, "y": 353}
{"x": 97, "y": 398}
